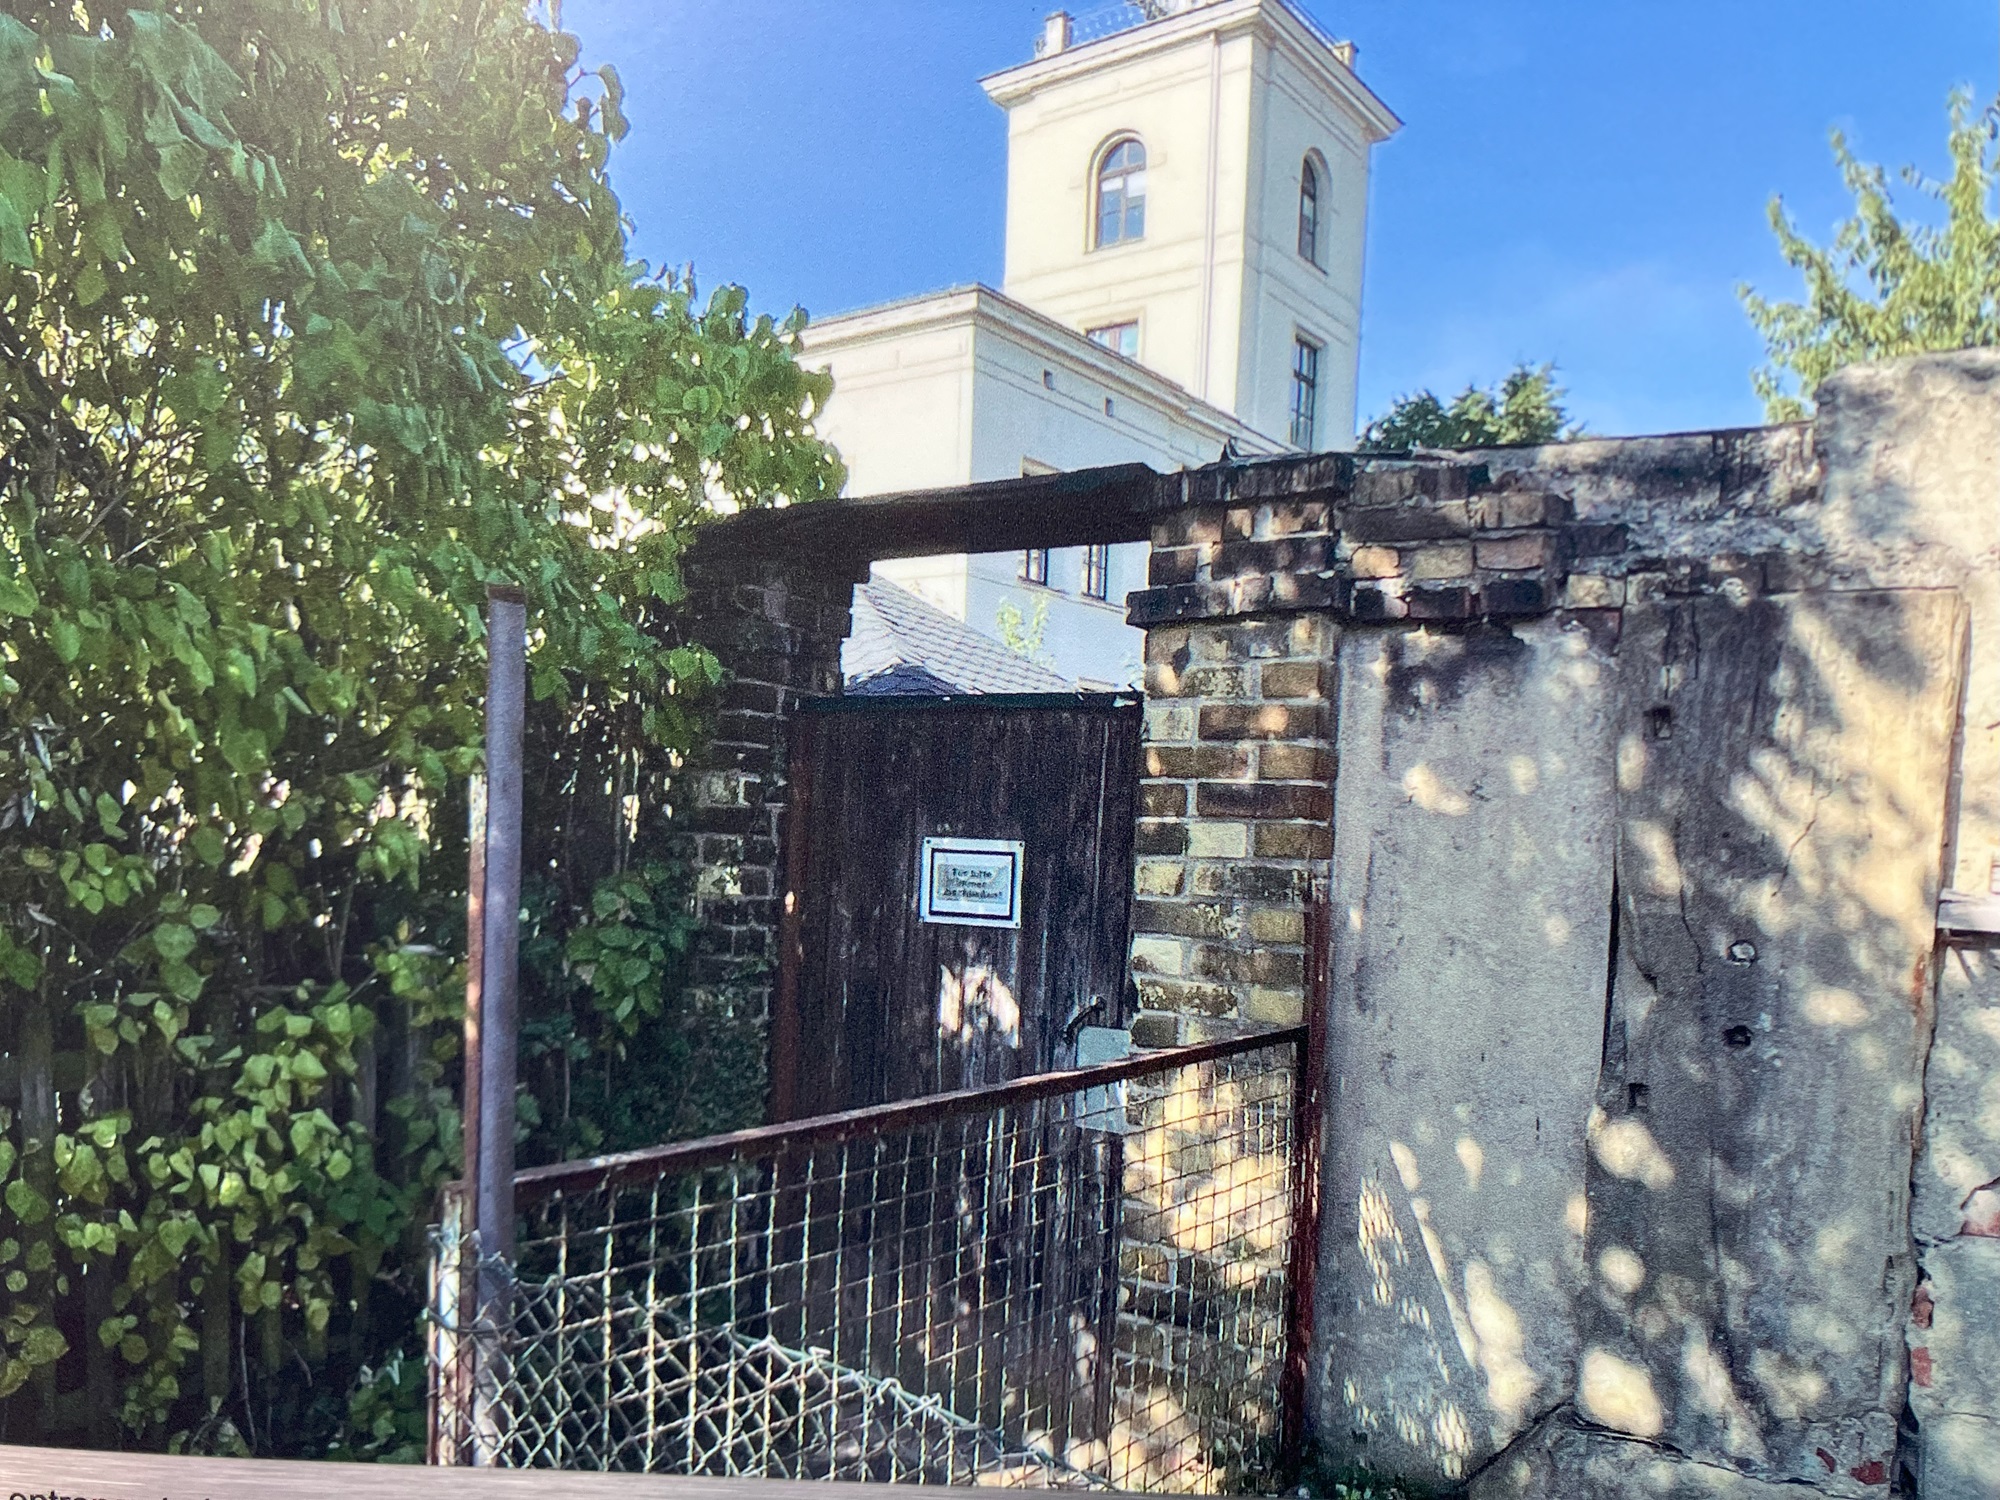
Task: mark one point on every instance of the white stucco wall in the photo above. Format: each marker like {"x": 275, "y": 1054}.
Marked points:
{"x": 1227, "y": 98}
{"x": 967, "y": 385}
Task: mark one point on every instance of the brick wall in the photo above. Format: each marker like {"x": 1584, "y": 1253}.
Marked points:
{"x": 776, "y": 626}
{"x": 1236, "y": 811}
{"x": 1252, "y": 581}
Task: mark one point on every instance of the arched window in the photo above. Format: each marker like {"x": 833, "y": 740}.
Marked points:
{"x": 1309, "y": 211}
{"x": 1121, "y": 193}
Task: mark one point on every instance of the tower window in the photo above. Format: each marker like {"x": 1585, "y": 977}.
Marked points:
{"x": 1309, "y": 212}
{"x": 1121, "y": 194}
{"x": 1122, "y": 338}
{"x": 1305, "y": 391}
{"x": 1096, "y": 570}
{"x": 1035, "y": 565}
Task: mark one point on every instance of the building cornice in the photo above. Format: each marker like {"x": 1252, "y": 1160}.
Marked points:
{"x": 981, "y": 307}
{"x": 1273, "y": 20}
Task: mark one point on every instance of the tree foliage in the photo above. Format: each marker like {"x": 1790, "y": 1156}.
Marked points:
{"x": 1887, "y": 285}
{"x": 1526, "y": 407}
{"x": 315, "y": 318}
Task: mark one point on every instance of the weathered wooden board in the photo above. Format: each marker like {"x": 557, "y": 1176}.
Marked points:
{"x": 49, "y": 1473}
{"x": 1782, "y": 770}
{"x": 889, "y": 1007}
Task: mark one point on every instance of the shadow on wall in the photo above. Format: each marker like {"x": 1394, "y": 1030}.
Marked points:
{"x": 1634, "y": 988}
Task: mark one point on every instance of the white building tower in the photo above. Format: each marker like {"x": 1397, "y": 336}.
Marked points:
{"x": 1193, "y": 191}
{"x": 1187, "y": 188}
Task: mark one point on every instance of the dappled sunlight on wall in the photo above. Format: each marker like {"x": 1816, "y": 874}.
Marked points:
{"x": 1472, "y": 867}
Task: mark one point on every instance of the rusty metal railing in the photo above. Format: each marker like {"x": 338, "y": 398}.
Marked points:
{"x": 1082, "y": 1279}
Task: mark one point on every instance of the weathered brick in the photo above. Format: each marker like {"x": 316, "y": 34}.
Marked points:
{"x": 1292, "y": 763}
{"x": 1163, "y": 799}
{"x": 1288, "y": 518}
{"x": 1449, "y": 560}
{"x": 1163, "y": 680}
{"x": 1516, "y": 553}
{"x": 1187, "y": 527}
{"x": 1208, "y": 840}
{"x": 1387, "y": 484}
{"x": 1198, "y": 762}
{"x": 1159, "y": 877}
{"x": 1515, "y": 596}
{"x": 1245, "y": 640}
{"x": 1261, "y": 721}
{"x": 1276, "y": 966}
{"x": 1278, "y": 555}
{"x": 1159, "y": 838}
{"x": 1526, "y": 508}
{"x": 1194, "y": 919}
{"x": 1588, "y": 591}
{"x": 1414, "y": 523}
{"x": 1215, "y": 682}
{"x": 1169, "y": 723}
{"x": 1293, "y": 679}
{"x": 1262, "y": 882}
{"x": 1596, "y": 539}
{"x": 1182, "y": 601}
{"x": 1154, "y": 1028}
{"x": 1209, "y": 878}
{"x": 1158, "y": 955}
{"x": 1293, "y": 841}
{"x": 1239, "y": 522}
{"x": 1274, "y": 1007}
{"x": 1324, "y": 589}
{"x": 1278, "y": 924}
{"x": 1168, "y": 565}
{"x": 1187, "y": 997}
{"x": 1373, "y": 602}
{"x": 1434, "y": 603}
{"x": 1167, "y": 642}
{"x": 1272, "y": 800}
{"x": 1375, "y": 562}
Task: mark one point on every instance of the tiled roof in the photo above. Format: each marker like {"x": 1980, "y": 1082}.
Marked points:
{"x": 894, "y": 629}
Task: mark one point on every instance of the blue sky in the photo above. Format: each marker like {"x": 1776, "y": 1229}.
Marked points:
{"x": 1582, "y": 182}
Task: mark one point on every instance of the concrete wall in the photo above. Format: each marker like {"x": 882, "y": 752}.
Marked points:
{"x": 1662, "y": 1149}
{"x": 1662, "y": 1136}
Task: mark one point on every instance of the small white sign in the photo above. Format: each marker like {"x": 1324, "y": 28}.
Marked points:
{"x": 970, "y": 882}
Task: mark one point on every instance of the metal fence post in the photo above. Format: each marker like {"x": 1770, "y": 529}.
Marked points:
{"x": 493, "y": 1022}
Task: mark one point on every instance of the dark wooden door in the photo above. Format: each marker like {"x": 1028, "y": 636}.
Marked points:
{"x": 875, "y": 1004}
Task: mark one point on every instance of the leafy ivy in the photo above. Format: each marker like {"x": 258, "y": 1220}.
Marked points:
{"x": 316, "y": 318}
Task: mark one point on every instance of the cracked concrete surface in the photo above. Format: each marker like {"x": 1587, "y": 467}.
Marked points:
{"x": 1721, "y": 1174}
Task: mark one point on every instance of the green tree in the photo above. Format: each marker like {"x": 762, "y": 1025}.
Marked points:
{"x": 1526, "y": 407}
{"x": 1886, "y": 285}
{"x": 315, "y": 318}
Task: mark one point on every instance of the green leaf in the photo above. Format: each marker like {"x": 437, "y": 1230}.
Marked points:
{"x": 17, "y": 597}
{"x": 182, "y": 164}
{"x": 14, "y": 247}
{"x": 29, "y": 1206}
{"x": 173, "y": 940}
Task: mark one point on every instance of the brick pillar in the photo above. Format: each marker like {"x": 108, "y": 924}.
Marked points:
{"x": 1251, "y": 582}
{"x": 1236, "y": 805}
{"x": 776, "y": 626}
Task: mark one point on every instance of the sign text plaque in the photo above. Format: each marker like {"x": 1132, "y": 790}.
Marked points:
{"x": 970, "y": 882}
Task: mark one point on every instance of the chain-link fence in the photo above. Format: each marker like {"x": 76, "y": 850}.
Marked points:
{"x": 1083, "y": 1279}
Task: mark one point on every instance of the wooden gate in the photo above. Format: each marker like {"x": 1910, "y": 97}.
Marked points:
{"x": 874, "y": 1004}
